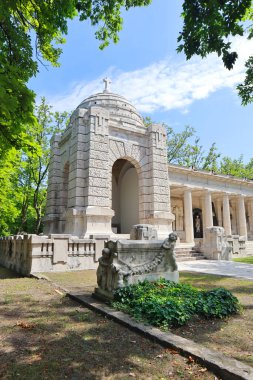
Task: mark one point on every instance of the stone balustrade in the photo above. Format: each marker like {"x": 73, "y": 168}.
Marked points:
{"x": 32, "y": 253}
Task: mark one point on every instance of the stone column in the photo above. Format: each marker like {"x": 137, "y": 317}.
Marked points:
{"x": 218, "y": 211}
{"x": 208, "y": 212}
{"x": 242, "y": 216}
{"x": 226, "y": 215}
{"x": 188, "y": 221}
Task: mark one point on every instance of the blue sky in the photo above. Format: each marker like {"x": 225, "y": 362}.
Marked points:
{"x": 145, "y": 68}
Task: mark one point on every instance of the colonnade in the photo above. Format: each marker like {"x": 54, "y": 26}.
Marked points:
{"x": 241, "y": 214}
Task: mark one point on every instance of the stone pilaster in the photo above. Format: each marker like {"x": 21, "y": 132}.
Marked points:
{"x": 53, "y": 211}
{"x": 98, "y": 212}
{"x": 159, "y": 213}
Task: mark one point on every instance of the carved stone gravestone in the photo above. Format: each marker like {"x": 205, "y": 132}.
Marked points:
{"x": 126, "y": 262}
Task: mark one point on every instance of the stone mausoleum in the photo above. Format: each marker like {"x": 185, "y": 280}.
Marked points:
{"x": 108, "y": 172}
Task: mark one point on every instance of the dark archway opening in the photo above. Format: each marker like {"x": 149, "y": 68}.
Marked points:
{"x": 125, "y": 196}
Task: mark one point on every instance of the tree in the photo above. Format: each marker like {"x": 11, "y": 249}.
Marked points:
{"x": 185, "y": 152}
{"x": 9, "y": 198}
{"x": 23, "y": 175}
{"x": 236, "y": 167}
{"x": 208, "y": 28}
{"x": 32, "y": 30}
{"x": 35, "y": 166}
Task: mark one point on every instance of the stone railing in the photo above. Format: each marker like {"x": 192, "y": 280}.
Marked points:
{"x": 32, "y": 253}
{"x": 237, "y": 244}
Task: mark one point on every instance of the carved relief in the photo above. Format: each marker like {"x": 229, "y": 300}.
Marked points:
{"x": 123, "y": 261}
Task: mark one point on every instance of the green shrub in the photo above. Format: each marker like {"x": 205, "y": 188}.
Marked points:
{"x": 218, "y": 303}
{"x": 166, "y": 303}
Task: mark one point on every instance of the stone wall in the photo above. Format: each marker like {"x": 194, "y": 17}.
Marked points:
{"x": 32, "y": 253}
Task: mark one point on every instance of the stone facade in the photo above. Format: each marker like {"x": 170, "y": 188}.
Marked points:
{"x": 208, "y": 200}
{"x": 105, "y": 147}
{"x": 108, "y": 172}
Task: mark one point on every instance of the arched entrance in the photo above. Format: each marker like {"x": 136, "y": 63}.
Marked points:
{"x": 125, "y": 196}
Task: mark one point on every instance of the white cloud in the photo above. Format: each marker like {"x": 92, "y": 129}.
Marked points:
{"x": 164, "y": 85}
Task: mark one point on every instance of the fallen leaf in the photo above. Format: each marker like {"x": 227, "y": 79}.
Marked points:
{"x": 132, "y": 374}
{"x": 190, "y": 360}
{"x": 171, "y": 351}
{"x": 25, "y": 325}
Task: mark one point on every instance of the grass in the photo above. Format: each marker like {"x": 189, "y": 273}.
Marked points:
{"x": 246, "y": 260}
{"x": 233, "y": 336}
{"x": 45, "y": 335}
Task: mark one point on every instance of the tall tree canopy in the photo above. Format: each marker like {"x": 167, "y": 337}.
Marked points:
{"x": 32, "y": 30}
{"x": 184, "y": 149}
{"x": 208, "y": 28}
{"x": 23, "y": 174}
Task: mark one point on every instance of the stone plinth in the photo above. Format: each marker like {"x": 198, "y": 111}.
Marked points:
{"x": 216, "y": 246}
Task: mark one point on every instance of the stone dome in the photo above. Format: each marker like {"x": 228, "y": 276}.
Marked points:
{"x": 120, "y": 108}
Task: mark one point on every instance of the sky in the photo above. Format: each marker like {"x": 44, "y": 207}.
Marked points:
{"x": 145, "y": 68}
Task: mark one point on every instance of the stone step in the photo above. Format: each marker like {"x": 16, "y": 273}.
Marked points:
{"x": 187, "y": 255}
{"x": 186, "y": 258}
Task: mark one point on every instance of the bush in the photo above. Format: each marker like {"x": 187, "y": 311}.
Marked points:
{"x": 166, "y": 303}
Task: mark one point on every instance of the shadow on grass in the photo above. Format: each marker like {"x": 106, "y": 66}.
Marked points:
{"x": 56, "y": 338}
{"x": 8, "y": 273}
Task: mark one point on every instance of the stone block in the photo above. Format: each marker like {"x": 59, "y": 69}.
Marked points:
{"x": 98, "y": 173}
{"x": 125, "y": 262}
{"x": 98, "y": 163}
{"x": 98, "y": 201}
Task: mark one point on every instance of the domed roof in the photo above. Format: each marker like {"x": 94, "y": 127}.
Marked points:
{"x": 119, "y": 107}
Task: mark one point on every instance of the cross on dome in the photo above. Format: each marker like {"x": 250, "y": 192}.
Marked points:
{"x": 107, "y": 82}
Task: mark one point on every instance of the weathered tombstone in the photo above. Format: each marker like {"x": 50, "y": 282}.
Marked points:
{"x": 125, "y": 262}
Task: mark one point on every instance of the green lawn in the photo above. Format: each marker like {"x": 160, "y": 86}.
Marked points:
{"x": 246, "y": 260}
{"x": 232, "y": 336}
{"x": 47, "y": 336}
